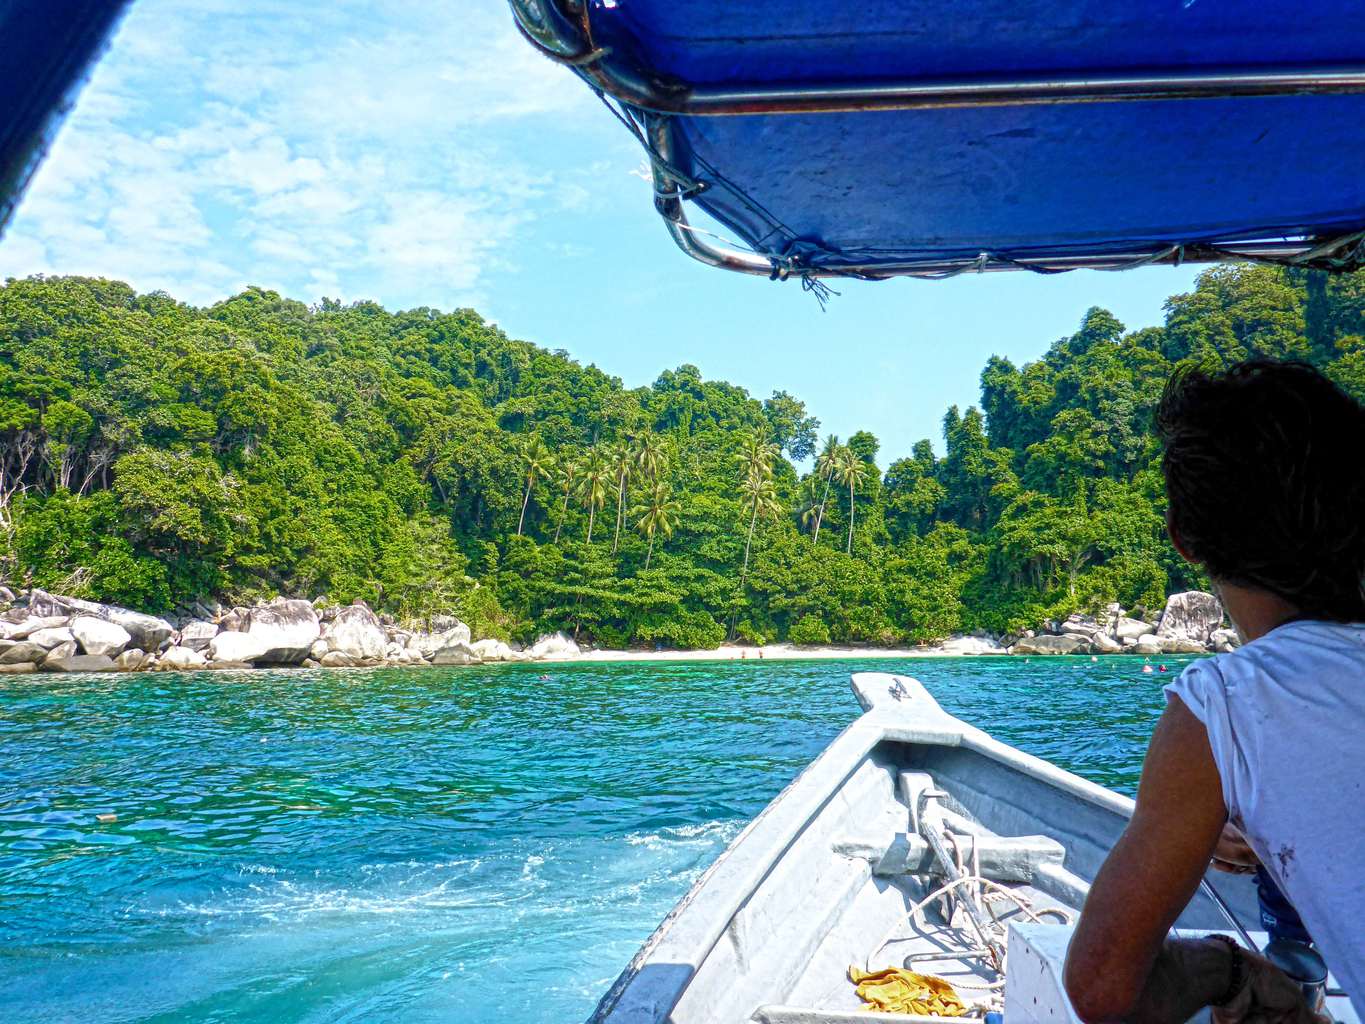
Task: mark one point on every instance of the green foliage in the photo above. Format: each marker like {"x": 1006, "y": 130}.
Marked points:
{"x": 152, "y": 453}
{"x": 808, "y": 631}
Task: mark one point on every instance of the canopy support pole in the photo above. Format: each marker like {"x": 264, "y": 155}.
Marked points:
{"x": 562, "y": 31}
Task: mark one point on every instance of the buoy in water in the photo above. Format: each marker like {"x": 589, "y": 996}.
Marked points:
{"x": 1146, "y": 668}
{"x": 106, "y": 819}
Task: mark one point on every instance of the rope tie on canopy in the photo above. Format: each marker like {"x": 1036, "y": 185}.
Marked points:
{"x": 591, "y": 57}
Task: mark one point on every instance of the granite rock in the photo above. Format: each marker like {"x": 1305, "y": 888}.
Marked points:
{"x": 181, "y": 659}
{"x": 1049, "y": 645}
{"x": 97, "y": 636}
{"x": 12, "y": 652}
{"x": 80, "y": 663}
{"x": 356, "y": 631}
{"x": 1193, "y": 616}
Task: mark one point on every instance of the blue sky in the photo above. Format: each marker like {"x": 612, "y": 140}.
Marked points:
{"x": 422, "y": 154}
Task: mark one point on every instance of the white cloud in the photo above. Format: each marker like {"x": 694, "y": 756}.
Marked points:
{"x": 340, "y": 149}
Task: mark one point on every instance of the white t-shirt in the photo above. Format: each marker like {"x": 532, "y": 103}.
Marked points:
{"x": 1285, "y": 716}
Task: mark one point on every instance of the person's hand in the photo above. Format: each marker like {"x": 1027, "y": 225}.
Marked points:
{"x": 1269, "y": 996}
{"x": 1232, "y": 854}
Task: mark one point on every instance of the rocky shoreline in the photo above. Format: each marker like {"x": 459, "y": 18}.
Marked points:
{"x": 1191, "y": 623}
{"x": 42, "y": 632}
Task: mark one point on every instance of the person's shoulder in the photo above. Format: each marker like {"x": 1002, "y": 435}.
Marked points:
{"x": 1199, "y": 684}
{"x": 1302, "y": 637}
{"x": 1286, "y": 651}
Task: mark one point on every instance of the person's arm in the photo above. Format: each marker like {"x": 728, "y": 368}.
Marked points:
{"x": 1119, "y": 966}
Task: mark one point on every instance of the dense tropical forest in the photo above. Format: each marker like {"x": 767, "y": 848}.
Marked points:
{"x": 154, "y": 453}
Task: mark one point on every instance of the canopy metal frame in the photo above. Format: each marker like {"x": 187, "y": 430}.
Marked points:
{"x": 562, "y": 31}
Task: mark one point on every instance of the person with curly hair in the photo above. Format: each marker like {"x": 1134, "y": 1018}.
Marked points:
{"x": 1253, "y": 763}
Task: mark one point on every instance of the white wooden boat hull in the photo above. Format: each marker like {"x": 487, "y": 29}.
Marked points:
{"x": 831, "y": 867}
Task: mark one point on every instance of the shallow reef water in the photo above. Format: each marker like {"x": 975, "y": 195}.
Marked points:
{"x": 468, "y": 845}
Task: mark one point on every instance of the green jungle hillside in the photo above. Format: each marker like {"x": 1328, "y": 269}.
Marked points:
{"x": 154, "y": 453}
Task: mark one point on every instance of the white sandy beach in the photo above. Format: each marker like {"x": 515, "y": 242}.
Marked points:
{"x": 770, "y": 652}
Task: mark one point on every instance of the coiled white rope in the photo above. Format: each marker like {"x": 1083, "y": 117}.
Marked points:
{"x": 987, "y": 892}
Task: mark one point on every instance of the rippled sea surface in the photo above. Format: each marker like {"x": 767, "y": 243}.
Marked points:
{"x": 457, "y": 845}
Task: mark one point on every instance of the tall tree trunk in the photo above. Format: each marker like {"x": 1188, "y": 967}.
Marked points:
{"x": 820, "y": 516}
{"x": 592, "y": 515}
{"x": 524, "y": 502}
{"x": 562, "y": 513}
{"x": 850, "y": 517}
{"x": 620, "y": 512}
{"x": 752, "y": 520}
{"x": 650, "y": 553}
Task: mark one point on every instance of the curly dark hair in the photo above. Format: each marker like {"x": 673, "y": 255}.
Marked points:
{"x": 1265, "y": 479}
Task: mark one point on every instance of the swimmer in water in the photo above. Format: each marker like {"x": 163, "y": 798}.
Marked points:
{"x": 1146, "y": 668}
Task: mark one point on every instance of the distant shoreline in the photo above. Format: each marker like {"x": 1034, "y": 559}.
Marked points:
{"x": 769, "y": 652}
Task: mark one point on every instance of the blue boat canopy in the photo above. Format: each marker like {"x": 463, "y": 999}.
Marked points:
{"x": 907, "y": 137}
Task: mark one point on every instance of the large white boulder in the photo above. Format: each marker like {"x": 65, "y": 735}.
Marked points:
{"x": 1179, "y": 645}
{"x": 1050, "y": 645}
{"x": 132, "y": 660}
{"x": 27, "y": 626}
{"x": 284, "y": 631}
{"x": 96, "y": 636}
{"x": 1080, "y": 625}
{"x": 1130, "y": 629}
{"x": 427, "y": 644}
{"x": 197, "y": 634}
{"x": 1225, "y": 640}
{"x": 181, "y": 659}
{"x": 1193, "y": 615}
{"x": 455, "y": 653}
{"x": 80, "y": 663}
{"x": 65, "y": 649}
{"x": 51, "y": 637}
{"x": 147, "y": 631}
{"x": 1103, "y": 643}
{"x": 555, "y": 645}
{"x": 230, "y": 645}
{"x": 356, "y": 631}
{"x": 495, "y": 650}
{"x": 971, "y": 645}
{"x": 452, "y": 628}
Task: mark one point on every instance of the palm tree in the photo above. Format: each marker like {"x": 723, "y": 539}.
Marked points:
{"x": 660, "y": 515}
{"x": 622, "y": 459}
{"x": 851, "y": 470}
{"x": 761, "y": 499}
{"x": 824, "y": 466}
{"x": 757, "y": 455}
{"x": 594, "y": 486}
{"x": 568, "y": 473}
{"x": 756, "y": 486}
{"x": 539, "y": 464}
{"x": 650, "y": 458}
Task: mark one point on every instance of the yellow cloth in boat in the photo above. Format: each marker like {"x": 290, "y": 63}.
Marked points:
{"x": 896, "y": 990}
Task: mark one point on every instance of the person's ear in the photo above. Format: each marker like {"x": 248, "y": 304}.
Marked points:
{"x": 1177, "y": 541}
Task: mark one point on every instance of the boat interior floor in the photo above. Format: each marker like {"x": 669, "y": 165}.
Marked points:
{"x": 940, "y": 891}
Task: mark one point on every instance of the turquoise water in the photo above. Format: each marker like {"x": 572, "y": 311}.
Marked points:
{"x": 462, "y": 845}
